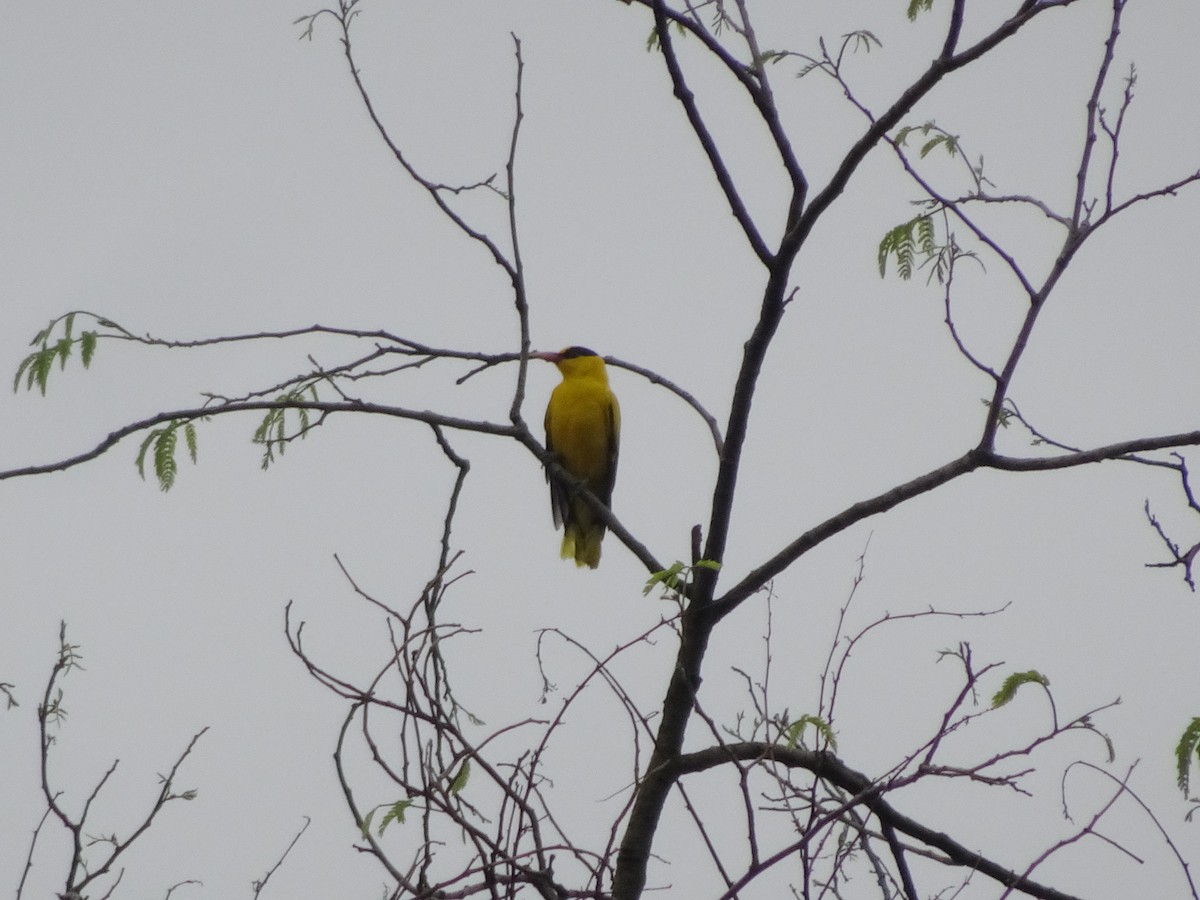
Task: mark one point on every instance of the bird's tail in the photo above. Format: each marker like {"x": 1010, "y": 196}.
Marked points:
{"x": 582, "y": 535}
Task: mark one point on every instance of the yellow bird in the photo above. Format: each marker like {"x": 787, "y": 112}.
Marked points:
{"x": 583, "y": 431}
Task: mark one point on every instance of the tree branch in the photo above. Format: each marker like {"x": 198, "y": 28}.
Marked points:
{"x": 870, "y": 794}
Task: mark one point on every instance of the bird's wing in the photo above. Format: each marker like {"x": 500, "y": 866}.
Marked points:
{"x": 559, "y": 499}
{"x": 605, "y": 488}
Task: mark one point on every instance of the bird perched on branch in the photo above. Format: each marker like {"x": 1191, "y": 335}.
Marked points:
{"x": 583, "y": 431}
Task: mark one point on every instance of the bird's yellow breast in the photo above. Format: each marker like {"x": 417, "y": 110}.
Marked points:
{"x": 580, "y": 424}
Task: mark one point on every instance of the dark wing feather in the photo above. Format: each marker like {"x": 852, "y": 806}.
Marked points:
{"x": 604, "y": 489}
{"x": 559, "y": 500}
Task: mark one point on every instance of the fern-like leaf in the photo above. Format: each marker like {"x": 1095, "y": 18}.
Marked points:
{"x": 916, "y": 7}
{"x": 925, "y": 235}
{"x": 898, "y": 243}
{"x": 947, "y": 141}
{"x": 39, "y": 372}
{"x": 395, "y": 813}
{"x": 652, "y": 40}
{"x": 36, "y": 367}
{"x": 87, "y": 347}
{"x": 795, "y": 731}
{"x": 140, "y": 462}
{"x": 160, "y": 445}
{"x": 42, "y": 336}
{"x": 862, "y": 40}
{"x": 811, "y": 66}
{"x": 1008, "y": 690}
{"x": 165, "y": 467}
{"x": 930, "y": 144}
{"x": 904, "y": 241}
{"x": 62, "y": 350}
{"x": 1185, "y": 750}
{"x": 21, "y": 371}
{"x": 770, "y": 57}
{"x": 263, "y": 435}
{"x": 189, "y": 436}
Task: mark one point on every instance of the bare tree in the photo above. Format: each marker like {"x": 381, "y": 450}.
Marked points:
{"x": 89, "y": 868}
{"x": 480, "y": 797}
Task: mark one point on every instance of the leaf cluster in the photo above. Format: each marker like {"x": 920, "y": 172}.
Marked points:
{"x": 941, "y": 138}
{"x": 397, "y": 811}
{"x": 160, "y": 445}
{"x": 795, "y": 730}
{"x": 272, "y": 432}
{"x": 393, "y": 813}
{"x": 36, "y": 367}
{"x": 675, "y": 579}
{"x": 905, "y": 241}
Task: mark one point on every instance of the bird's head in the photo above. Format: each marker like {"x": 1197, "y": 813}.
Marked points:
{"x": 573, "y": 360}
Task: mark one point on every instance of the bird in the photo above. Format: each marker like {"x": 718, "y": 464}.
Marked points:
{"x": 583, "y": 432}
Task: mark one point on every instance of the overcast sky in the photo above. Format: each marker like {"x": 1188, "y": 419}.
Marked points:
{"x": 192, "y": 170}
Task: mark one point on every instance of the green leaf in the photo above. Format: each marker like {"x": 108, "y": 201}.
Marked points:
{"x": 652, "y": 40}
{"x": 461, "y": 779}
{"x": 668, "y": 578}
{"x": 21, "y": 369}
{"x": 87, "y": 347}
{"x": 140, "y": 462}
{"x": 1188, "y": 746}
{"x": 62, "y": 350}
{"x": 795, "y": 730}
{"x": 677, "y": 576}
{"x": 189, "y": 436}
{"x": 1008, "y": 690}
{"x": 811, "y": 66}
{"x": 862, "y": 40}
{"x": 916, "y": 7}
{"x": 366, "y": 823}
{"x": 948, "y": 141}
{"x": 164, "y": 458}
{"x": 39, "y": 372}
{"x": 395, "y": 813}
{"x": 925, "y": 235}
{"x": 35, "y": 368}
{"x": 930, "y": 144}
{"x": 904, "y": 241}
{"x": 43, "y": 335}
{"x": 262, "y": 435}
{"x": 163, "y": 442}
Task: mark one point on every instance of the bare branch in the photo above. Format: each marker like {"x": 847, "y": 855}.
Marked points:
{"x": 262, "y": 883}
{"x": 865, "y": 792}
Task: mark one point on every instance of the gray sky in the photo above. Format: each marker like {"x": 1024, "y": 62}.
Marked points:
{"x": 195, "y": 170}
